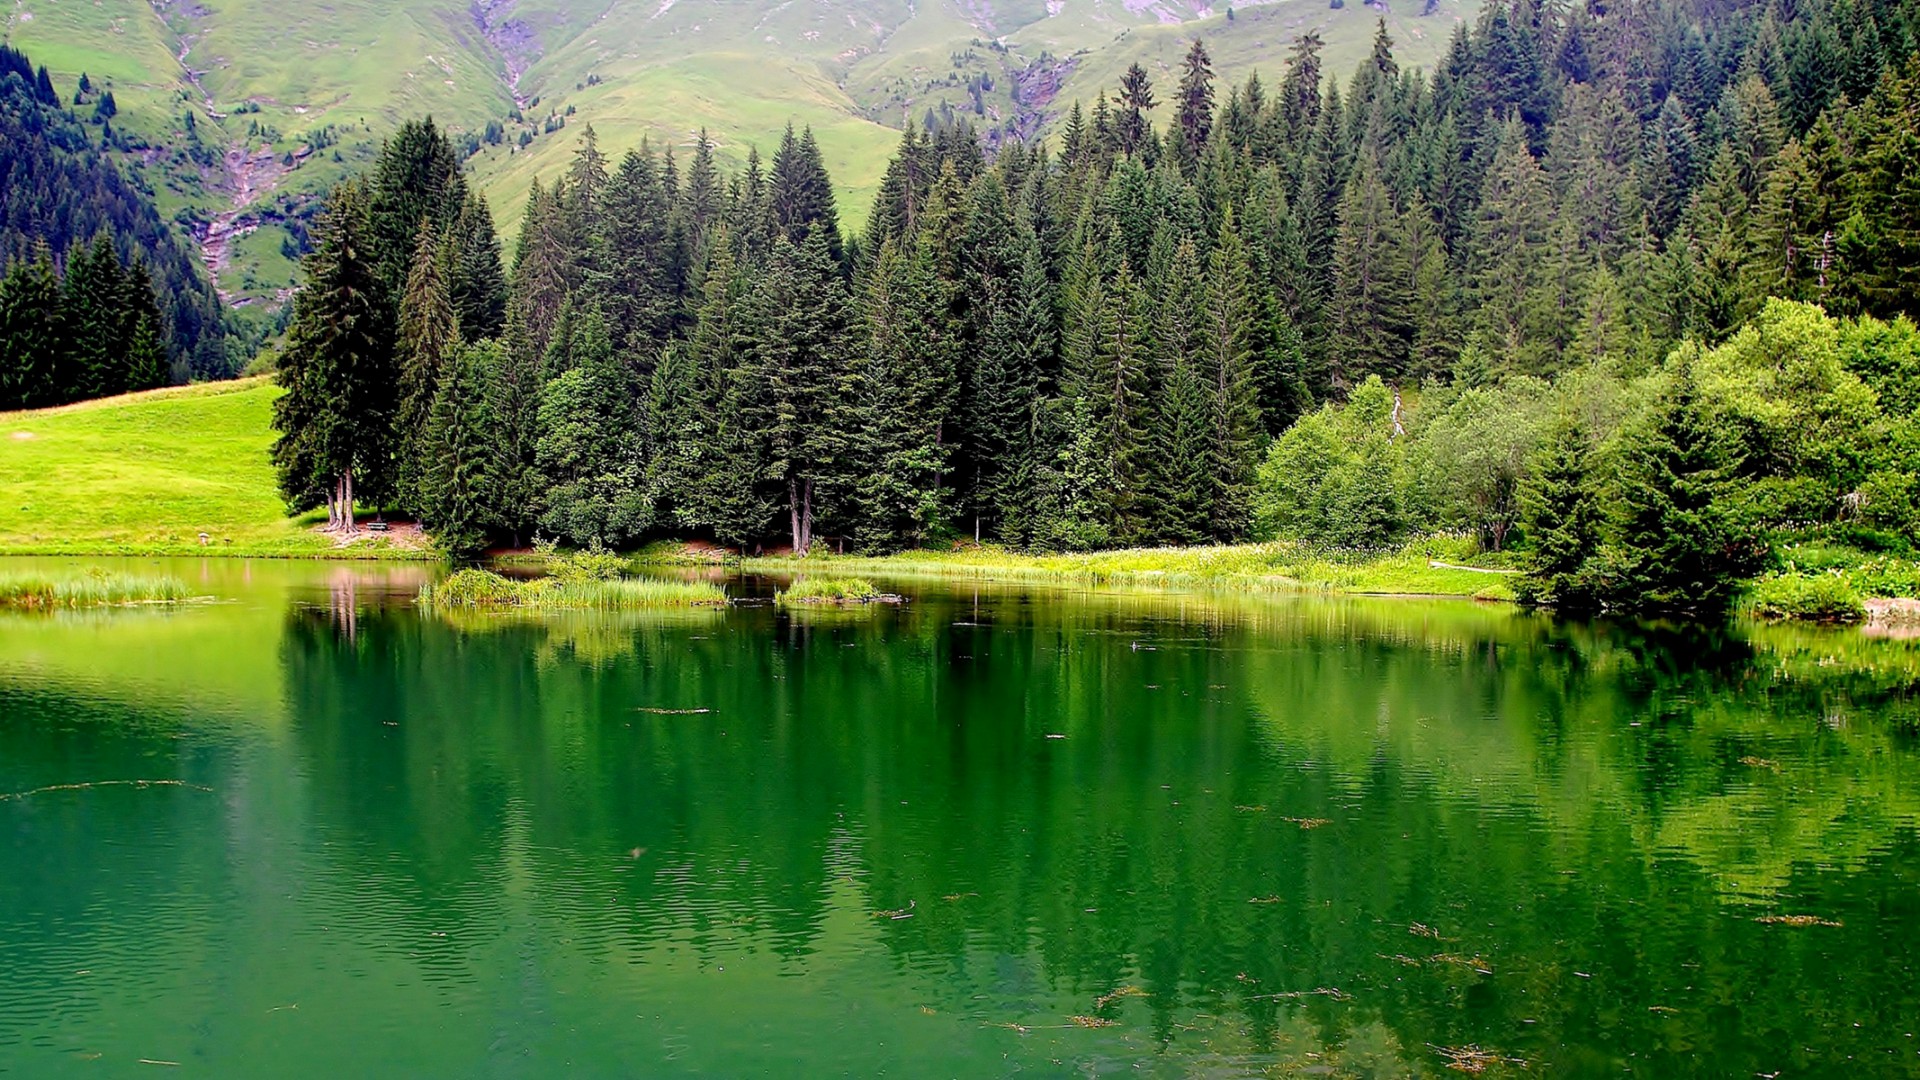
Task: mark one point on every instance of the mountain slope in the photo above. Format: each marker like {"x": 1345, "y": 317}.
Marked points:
{"x": 244, "y": 110}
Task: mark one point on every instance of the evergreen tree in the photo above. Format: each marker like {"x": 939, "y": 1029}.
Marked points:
{"x": 429, "y": 341}
{"x": 1372, "y": 280}
{"x": 1194, "y": 122}
{"x": 91, "y": 324}
{"x": 31, "y": 356}
{"x": 798, "y": 321}
{"x": 335, "y": 421}
{"x": 416, "y": 176}
{"x": 888, "y": 407}
{"x": 1561, "y": 513}
{"x": 589, "y": 456}
{"x": 146, "y": 362}
{"x": 476, "y": 282}
{"x": 1225, "y": 347}
{"x": 458, "y": 452}
{"x": 1676, "y": 541}
{"x": 1179, "y": 491}
{"x": 801, "y": 194}
{"x": 1131, "y": 127}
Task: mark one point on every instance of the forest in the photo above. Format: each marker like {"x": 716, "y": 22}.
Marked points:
{"x": 71, "y": 325}
{"x": 1626, "y": 288}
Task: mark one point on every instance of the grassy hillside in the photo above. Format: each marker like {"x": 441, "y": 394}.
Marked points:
{"x": 148, "y": 473}
{"x": 286, "y": 99}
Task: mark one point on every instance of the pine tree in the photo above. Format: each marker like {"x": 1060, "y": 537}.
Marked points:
{"x": 1372, "y": 283}
{"x": 416, "y": 176}
{"x": 458, "y": 453}
{"x": 797, "y": 318}
{"x": 1178, "y": 492}
{"x": 429, "y": 341}
{"x": 544, "y": 271}
{"x": 1131, "y": 127}
{"x": 1518, "y": 312}
{"x": 335, "y": 421}
{"x": 91, "y": 324}
{"x": 30, "y": 346}
{"x": 893, "y": 459}
{"x": 1194, "y": 122}
{"x": 1561, "y": 513}
{"x": 146, "y": 362}
{"x": 633, "y": 278}
{"x": 590, "y": 454}
{"x": 1676, "y": 542}
{"x": 1225, "y": 348}
{"x": 476, "y": 282}
{"x": 801, "y": 194}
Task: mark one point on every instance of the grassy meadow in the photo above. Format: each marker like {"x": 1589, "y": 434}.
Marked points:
{"x": 147, "y": 474}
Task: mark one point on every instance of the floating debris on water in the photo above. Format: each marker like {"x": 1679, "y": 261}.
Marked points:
{"x": 1474, "y": 962}
{"x": 1472, "y": 1059}
{"x": 136, "y": 784}
{"x": 1333, "y": 992}
{"x": 1274, "y": 899}
{"x": 1795, "y": 920}
{"x": 1107, "y": 999}
{"x": 1251, "y": 809}
{"x": 672, "y": 712}
{"x": 1425, "y": 931}
{"x": 1760, "y": 763}
{"x": 1308, "y": 822}
{"x": 1091, "y": 1021}
{"x": 897, "y": 913}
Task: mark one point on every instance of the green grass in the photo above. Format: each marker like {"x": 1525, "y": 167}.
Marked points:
{"x": 854, "y": 70}
{"x": 828, "y": 590}
{"x": 148, "y": 474}
{"x": 1273, "y": 567}
{"x": 483, "y": 589}
{"x": 88, "y": 589}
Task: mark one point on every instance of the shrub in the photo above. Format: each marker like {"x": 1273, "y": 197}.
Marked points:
{"x": 1806, "y": 597}
{"x": 829, "y": 590}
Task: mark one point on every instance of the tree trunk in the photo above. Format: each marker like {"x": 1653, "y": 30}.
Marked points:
{"x": 793, "y": 514}
{"x": 806, "y": 516}
{"x": 346, "y": 503}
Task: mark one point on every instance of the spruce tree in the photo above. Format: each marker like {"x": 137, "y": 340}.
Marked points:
{"x": 801, "y": 194}
{"x": 335, "y": 421}
{"x": 146, "y": 362}
{"x": 798, "y": 322}
{"x": 1371, "y": 314}
{"x": 429, "y": 340}
{"x": 1677, "y": 541}
{"x": 416, "y": 176}
{"x": 1193, "y": 125}
{"x": 92, "y": 326}
{"x": 1561, "y": 512}
{"x": 476, "y": 282}
{"x": 893, "y": 459}
{"x": 30, "y": 345}
{"x": 457, "y": 449}
{"x": 590, "y": 457}
{"x": 1225, "y": 350}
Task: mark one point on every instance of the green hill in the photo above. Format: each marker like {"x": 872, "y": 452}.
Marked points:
{"x": 148, "y": 474}
{"x": 241, "y": 111}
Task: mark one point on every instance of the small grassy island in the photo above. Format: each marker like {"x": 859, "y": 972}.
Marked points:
{"x": 834, "y": 591}
{"x": 91, "y": 589}
{"x": 484, "y": 589}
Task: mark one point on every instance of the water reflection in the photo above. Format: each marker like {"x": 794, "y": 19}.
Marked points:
{"x": 995, "y": 831}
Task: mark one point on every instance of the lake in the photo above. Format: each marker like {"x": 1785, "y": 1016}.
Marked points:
{"x": 999, "y": 830}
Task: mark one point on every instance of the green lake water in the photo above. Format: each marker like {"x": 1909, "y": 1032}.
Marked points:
{"x": 997, "y": 831}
